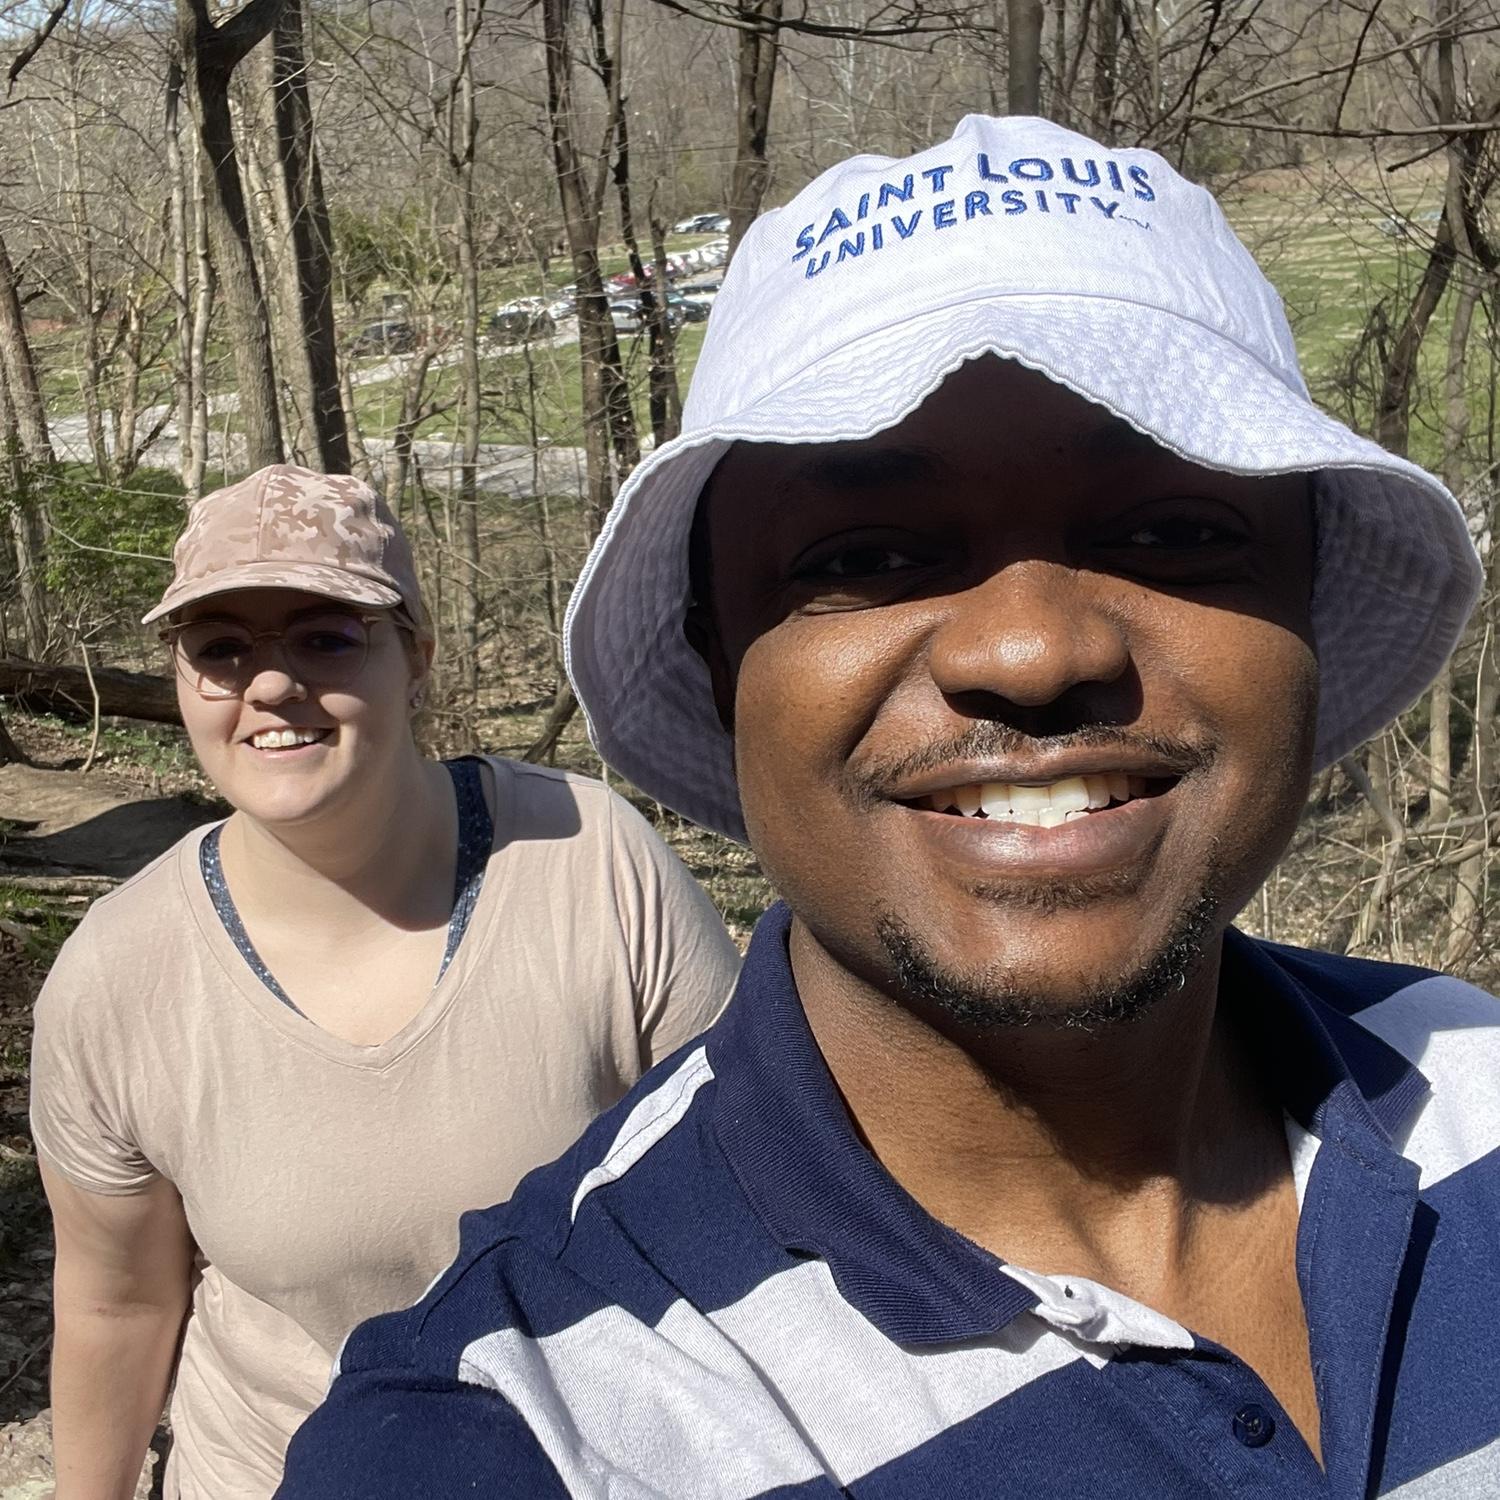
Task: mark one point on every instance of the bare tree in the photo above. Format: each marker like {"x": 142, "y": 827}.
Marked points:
{"x": 1024, "y": 78}
{"x": 210, "y": 53}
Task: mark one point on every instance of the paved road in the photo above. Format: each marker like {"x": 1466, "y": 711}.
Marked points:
{"x": 506, "y": 468}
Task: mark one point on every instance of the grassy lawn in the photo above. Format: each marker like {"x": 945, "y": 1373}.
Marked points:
{"x": 521, "y": 387}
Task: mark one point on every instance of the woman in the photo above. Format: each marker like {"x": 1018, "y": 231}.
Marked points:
{"x": 257, "y": 1115}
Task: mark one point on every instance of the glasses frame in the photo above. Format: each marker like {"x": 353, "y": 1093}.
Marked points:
{"x": 169, "y": 634}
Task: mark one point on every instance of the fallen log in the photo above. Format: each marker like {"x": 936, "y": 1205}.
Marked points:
{"x": 125, "y": 695}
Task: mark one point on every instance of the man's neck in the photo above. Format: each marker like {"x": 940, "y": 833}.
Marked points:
{"x": 1096, "y": 1154}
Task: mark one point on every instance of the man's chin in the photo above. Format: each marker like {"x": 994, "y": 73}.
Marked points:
{"x": 988, "y": 998}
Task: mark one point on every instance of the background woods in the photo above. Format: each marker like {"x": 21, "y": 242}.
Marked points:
{"x": 465, "y": 247}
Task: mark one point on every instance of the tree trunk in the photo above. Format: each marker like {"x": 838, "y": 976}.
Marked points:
{"x": 182, "y": 283}
{"x": 1106, "y": 70}
{"x": 206, "y": 285}
{"x": 602, "y": 379}
{"x": 1393, "y": 402}
{"x": 665, "y": 394}
{"x": 359, "y": 458}
{"x": 759, "y": 43}
{"x": 129, "y": 695}
{"x": 19, "y": 369}
{"x": 463, "y": 136}
{"x": 1455, "y": 439}
{"x": 27, "y": 533}
{"x": 86, "y": 299}
{"x": 309, "y": 239}
{"x": 651, "y": 292}
{"x": 1023, "y": 94}
{"x": 1440, "y": 748}
{"x": 1061, "y": 100}
{"x": 210, "y": 54}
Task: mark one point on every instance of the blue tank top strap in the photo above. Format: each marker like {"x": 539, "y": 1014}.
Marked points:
{"x": 218, "y": 893}
{"x": 476, "y": 837}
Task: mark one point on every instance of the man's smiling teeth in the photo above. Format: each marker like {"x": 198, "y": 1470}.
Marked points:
{"x": 1049, "y": 806}
{"x": 284, "y": 739}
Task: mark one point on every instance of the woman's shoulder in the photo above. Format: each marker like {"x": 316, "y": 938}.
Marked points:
{"x": 148, "y": 906}
{"x": 539, "y": 798}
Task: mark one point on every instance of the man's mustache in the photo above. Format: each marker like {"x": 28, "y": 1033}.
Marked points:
{"x": 991, "y": 740}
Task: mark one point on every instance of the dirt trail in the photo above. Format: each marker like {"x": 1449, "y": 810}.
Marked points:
{"x": 66, "y": 822}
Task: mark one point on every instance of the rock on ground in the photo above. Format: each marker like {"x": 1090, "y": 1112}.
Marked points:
{"x": 26, "y": 1462}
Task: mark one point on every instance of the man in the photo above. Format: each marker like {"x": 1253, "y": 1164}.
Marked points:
{"x": 1004, "y": 588}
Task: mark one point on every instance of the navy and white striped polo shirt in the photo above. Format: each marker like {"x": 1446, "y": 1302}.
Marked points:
{"x": 718, "y": 1294}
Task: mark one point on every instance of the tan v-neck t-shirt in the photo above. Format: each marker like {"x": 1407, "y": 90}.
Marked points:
{"x": 323, "y": 1180}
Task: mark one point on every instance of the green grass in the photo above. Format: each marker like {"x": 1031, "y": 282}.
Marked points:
{"x": 552, "y": 382}
{"x": 46, "y": 928}
{"x": 1327, "y": 257}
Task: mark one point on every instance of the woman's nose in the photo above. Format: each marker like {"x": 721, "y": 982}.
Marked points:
{"x": 272, "y": 679}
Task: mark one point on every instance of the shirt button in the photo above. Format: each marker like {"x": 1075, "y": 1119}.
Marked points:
{"x": 1253, "y": 1425}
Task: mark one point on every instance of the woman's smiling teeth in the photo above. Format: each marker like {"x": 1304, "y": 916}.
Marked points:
{"x": 1049, "y": 806}
{"x": 285, "y": 739}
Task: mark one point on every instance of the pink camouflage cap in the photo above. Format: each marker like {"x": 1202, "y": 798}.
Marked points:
{"x": 286, "y": 527}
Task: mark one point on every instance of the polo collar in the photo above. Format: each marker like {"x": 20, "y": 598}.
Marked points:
{"x": 819, "y": 1191}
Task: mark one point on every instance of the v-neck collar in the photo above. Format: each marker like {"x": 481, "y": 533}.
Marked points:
{"x": 296, "y": 1027}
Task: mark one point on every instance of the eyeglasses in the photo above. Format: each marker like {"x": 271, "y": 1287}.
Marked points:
{"x": 219, "y": 658}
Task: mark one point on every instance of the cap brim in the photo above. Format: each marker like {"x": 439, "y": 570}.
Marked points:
{"x": 1397, "y": 574}
{"x": 305, "y": 578}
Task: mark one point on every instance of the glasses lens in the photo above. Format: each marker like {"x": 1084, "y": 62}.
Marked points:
{"x": 213, "y": 655}
{"x": 327, "y": 650}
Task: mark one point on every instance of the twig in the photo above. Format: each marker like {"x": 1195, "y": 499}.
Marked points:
{"x": 88, "y": 759}
{"x": 30, "y": 1355}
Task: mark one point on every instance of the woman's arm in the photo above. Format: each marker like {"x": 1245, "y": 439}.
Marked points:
{"x": 121, "y": 1290}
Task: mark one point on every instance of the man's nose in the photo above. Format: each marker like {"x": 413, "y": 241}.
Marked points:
{"x": 1029, "y": 633}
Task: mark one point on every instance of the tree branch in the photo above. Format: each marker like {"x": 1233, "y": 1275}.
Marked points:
{"x": 35, "y": 45}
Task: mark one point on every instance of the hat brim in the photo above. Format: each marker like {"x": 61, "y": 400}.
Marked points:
{"x": 1396, "y": 579}
{"x": 305, "y": 578}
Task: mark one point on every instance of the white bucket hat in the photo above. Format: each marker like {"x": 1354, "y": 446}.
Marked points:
{"x": 1101, "y": 268}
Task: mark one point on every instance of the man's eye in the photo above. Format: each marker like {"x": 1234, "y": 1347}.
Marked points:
{"x": 860, "y": 562}
{"x": 1181, "y": 533}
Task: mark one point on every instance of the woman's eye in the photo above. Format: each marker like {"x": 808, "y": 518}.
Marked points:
{"x": 226, "y": 648}
{"x": 328, "y": 643}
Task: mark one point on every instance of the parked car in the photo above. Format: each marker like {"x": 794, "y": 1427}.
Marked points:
{"x": 702, "y": 224}
{"x": 692, "y": 309}
{"x": 520, "y": 324}
{"x": 708, "y": 286}
{"x": 387, "y": 337}
{"x": 628, "y": 318}
{"x": 714, "y": 252}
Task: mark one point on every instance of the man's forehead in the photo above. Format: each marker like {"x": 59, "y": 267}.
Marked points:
{"x": 897, "y": 461}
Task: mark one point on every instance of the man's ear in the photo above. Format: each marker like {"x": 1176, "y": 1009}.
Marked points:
{"x": 703, "y": 636}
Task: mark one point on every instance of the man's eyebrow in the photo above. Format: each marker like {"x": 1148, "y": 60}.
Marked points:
{"x": 1116, "y": 438}
{"x": 867, "y": 468}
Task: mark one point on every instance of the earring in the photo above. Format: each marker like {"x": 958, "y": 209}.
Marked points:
{"x": 416, "y": 699}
